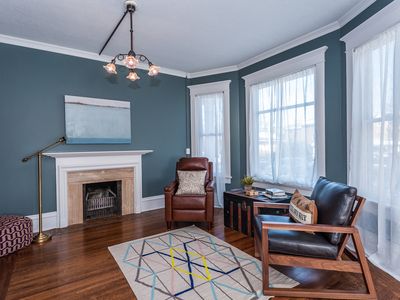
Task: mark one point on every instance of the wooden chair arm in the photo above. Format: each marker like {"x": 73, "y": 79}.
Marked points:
{"x": 308, "y": 228}
{"x": 258, "y": 205}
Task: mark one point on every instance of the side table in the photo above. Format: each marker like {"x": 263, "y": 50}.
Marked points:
{"x": 238, "y": 210}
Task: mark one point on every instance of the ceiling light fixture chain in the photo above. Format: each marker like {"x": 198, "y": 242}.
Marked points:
{"x": 130, "y": 59}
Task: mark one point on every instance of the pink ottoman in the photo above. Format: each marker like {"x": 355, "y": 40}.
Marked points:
{"x": 15, "y": 233}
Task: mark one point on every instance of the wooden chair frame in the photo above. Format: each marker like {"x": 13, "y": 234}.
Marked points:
{"x": 359, "y": 266}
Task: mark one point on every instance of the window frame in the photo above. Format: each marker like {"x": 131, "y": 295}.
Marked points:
{"x": 213, "y": 88}
{"x": 387, "y": 17}
{"x": 313, "y": 58}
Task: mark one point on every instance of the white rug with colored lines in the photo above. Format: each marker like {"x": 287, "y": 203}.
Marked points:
{"x": 189, "y": 263}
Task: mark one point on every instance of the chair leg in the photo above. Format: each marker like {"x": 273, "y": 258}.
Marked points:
{"x": 169, "y": 225}
{"x": 256, "y": 246}
{"x": 364, "y": 264}
{"x": 265, "y": 260}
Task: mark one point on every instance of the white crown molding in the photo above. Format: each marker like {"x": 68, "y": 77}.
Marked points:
{"x": 379, "y": 22}
{"x": 7, "y": 39}
{"x": 213, "y": 71}
{"x": 354, "y": 12}
{"x": 274, "y": 51}
{"x": 291, "y": 44}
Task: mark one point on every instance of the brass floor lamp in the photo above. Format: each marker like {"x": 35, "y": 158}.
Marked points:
{"x": 41, "y": 237}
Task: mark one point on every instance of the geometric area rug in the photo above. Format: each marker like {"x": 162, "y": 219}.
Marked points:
{"x": 189, "y": 263}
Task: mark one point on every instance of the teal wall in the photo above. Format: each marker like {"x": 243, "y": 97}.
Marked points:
{"x": 335, "y": 96}
{"x": 32, "y": 88}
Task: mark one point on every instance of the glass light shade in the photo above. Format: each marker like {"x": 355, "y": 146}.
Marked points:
{"x": 153, "y": 70}
{"x": 132, "y": 76}
{"x": 110, "y": 68}
{"x": 131, "y": 62}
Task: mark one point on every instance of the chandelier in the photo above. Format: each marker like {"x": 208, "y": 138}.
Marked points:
{"x": 131, "y": 59}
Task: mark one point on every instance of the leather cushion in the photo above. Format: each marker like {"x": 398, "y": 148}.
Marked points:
{"x": 189, "y": 215}
{"x": 335, "y": 202}
{"x": 295, "y": 242}
{"x": 192, "y": 164}
{"x": 191, "y": 202}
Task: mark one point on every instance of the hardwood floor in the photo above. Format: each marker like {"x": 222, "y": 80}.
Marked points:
{"x": 76, "y": 264}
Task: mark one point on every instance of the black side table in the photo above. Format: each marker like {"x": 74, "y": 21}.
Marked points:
{"x": 238, "y": 210}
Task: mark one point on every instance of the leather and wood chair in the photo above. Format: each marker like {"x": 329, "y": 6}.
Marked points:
{"x": 280, "y": 241}
{"x": 190, "y": 208}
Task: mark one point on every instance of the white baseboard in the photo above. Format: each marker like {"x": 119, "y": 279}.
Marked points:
{"x": 49, "y": 221}
{"x": 50, "y": 218}
{"x": 154, "y": 202}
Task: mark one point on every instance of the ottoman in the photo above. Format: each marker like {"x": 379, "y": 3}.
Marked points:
{"x": 15, "y": 233}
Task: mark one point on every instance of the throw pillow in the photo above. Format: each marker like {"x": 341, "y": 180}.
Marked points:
{"x": 191, "y": 182}
{"x": 303, "y": 210}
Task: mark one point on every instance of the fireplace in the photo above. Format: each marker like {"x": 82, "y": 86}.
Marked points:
{"x": 102, "y": 199}
{"x": 99, "y": 193}
{"x": 74, "y": 169}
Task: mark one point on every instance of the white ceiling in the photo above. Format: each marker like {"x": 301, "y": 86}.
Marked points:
{"x": 185, "y": 35}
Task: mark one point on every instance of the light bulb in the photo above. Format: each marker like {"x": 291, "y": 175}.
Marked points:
{"x": 131, "y": 62}
{"x": 153, "y": 70}
{"x": 110, "y": 68}
{"x": 132, "y": 76}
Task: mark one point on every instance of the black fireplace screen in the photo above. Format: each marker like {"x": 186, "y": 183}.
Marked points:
{"x": 101, "y": 199}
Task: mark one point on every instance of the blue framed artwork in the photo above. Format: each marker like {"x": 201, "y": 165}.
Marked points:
{"x": 97, "y": 121}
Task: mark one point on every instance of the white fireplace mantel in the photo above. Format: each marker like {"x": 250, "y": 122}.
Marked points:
{"x": 97, "y": 153}
{"x": 94, "y": 160}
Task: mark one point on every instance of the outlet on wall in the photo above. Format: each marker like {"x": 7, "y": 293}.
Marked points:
{"x": 188, "y": 151}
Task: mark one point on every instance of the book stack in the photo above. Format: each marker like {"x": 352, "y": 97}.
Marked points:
{"x": 275, "y": 194}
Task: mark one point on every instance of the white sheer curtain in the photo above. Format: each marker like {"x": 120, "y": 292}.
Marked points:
{"x": 375, "y": 146}
{"x": 209, "y": 136}
{"x": 282, "y": 133}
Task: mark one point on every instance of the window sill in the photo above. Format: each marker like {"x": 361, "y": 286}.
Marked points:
{"x": 286, "y": 188}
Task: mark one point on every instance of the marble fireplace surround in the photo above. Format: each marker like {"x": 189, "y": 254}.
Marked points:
{"x": 76, "y": 168}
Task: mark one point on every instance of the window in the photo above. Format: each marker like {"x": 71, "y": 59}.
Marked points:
{"x": 373, "y": 107}
{"x": 210, "y": 134}
{"x": 285, "y": 122}
{"x": 375, "y": 144}
{"x": 373, "y": 132}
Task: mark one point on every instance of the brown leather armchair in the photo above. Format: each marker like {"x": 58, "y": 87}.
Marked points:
{"x": 190, "y": 208}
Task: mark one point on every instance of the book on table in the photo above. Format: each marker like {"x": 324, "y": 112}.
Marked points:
{"x": 274, "y": 192}
{"x": 276, "y": 197}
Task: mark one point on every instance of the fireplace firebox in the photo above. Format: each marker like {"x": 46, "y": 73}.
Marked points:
{"x": 102, "y": 199}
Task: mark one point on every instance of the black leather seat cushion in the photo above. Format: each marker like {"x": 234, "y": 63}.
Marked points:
{"x": 295, "y": 242}
{"x": 334, "y": 202}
